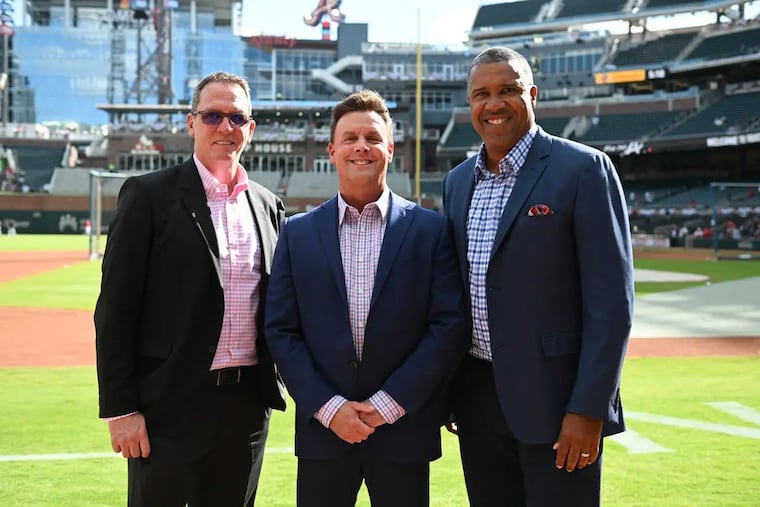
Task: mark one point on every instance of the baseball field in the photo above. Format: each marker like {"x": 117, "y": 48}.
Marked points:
{"x": 691, "y": 390}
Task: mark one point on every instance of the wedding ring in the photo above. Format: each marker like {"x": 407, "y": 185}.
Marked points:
{"x": 585, "y": 455}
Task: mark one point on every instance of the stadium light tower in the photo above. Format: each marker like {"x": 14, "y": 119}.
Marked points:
{"x": 153, "y": 76}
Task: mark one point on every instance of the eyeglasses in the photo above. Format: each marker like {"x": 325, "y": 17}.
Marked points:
{"x": 214, "y": 118}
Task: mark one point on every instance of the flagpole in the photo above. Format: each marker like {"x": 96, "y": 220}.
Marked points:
{"x": 418, "y": 116}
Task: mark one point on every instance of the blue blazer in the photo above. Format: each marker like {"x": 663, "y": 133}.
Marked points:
{"x": 415, "y": 334}
{"x": 559, "y": 287}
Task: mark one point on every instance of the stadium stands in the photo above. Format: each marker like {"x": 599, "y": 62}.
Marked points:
{"x": 730, "y": 114}
{"x": 616, "y": 127}
{"x": 76, "y": 181}
{"x": 462, "y": 134}
{"x": 554, "y": 126}
{"x": 400, "y": 183}
{"x": 723, "y": 45}
{"x": 572, "y": 8}
{"x": 312, "y": 184}
{"x": 507, "y": 13}
{"x": 270, "y": 179}
{"x": 661, "y": 50}
{"x": 38, "y": 163}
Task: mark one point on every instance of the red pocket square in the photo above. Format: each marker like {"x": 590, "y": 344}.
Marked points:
{"x": 540, "y": 209}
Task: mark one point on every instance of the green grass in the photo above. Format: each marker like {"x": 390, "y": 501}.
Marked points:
{"x": 73, "y": 287}
{"x": 50, "y": 411}
{"x": 717, "y": 271}
{"x": 45, "y": 242}
{"x": 76, "y": 286}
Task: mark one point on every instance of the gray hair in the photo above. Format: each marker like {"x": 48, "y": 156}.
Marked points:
{"x": 220, "y": 77}
{"x": 499, "y": 54}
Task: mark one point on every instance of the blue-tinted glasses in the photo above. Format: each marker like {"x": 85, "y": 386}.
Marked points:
{"x": 214, "y": 118}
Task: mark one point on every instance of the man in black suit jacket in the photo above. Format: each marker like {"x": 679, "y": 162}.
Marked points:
{"x": 185, "y": 376}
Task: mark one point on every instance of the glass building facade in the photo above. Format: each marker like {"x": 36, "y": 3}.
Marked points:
{"x": 70, "y": 70}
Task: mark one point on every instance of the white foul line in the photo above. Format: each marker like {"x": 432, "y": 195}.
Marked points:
{"x": 98, "y": 455}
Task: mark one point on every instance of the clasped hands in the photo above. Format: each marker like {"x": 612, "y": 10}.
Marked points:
{"x": 355, "y": 421}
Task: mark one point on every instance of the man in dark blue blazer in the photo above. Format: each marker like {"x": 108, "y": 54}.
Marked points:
{"x": 366, "y": 320}
{"x": 541, "y": 231}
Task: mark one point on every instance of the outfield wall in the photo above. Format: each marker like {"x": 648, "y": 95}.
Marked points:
{"x": 64, "y": 214}
{"x": 49, "y": 214}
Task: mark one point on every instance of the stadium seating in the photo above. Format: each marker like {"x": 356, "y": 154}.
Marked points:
{"x": 553, "y": 125}
{"x": 658, "y": 51}
{"x": 728, "y": 115}
{"x": 269, "y": 179}
{"x": 401, "y": 183}
{"x": 507, "y": 13}
{"x": 733, "y": 43}
{"x": 312, "y": 184}
{"x": 653, "y": 4}
{"x": 462, "y": 134}
{"x": 572, "y": 8}
{"x": 627, "y": 127}
{"x": 38, "y": 163}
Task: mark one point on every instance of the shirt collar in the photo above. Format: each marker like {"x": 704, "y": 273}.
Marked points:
{"x": 215, "y": 190}
{"x": 512, "y": 161}
{"x": 381, "y": 204}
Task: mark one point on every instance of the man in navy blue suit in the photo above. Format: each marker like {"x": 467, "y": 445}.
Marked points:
{"x": 541, "y": 231}
{"x": 366, "y": 319}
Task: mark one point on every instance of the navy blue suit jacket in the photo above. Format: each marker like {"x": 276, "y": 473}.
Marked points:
{"x": 559, "y": 287}
{"x": 415, "y": 334}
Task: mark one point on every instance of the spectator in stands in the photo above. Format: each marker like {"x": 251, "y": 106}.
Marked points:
{"x": 366, "y": 320}
{"x": 186, "y": 379}
{"x": 542, "y": 233}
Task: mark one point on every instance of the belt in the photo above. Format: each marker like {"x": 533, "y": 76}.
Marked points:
{"x": 231, "y": 376}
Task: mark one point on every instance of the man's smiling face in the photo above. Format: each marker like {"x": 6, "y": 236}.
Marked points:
{"x": 221, "y": 145}
{"x": 502, "y": 99}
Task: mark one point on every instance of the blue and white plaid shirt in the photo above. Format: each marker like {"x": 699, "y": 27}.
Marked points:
{"x": 488, "y": 200}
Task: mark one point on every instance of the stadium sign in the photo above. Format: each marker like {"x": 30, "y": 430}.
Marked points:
{"x": 629, "y": 76}
{"x": 623, "y": 149}
{"x": 329, "y": 8}
{"x": 735, "y": 140}
{"x": 271, "y": 41}
{"x": 273, "y": 148}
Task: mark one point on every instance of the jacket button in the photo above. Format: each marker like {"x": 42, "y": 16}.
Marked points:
{"x": 211, "y": 349}
{"x": 354, "y": 364}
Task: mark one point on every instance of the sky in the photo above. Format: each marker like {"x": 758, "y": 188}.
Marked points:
{"x": 428, "y": 21}
{"x": 388, "y": 20}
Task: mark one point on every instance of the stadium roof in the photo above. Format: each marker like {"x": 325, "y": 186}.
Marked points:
{"x": 504, "y": 20}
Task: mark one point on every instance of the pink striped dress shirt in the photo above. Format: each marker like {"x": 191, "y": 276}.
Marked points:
{"x": 240, "y": 259}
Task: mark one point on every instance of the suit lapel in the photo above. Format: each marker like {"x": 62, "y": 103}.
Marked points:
{"x": 399, "y": 220}
{"x": 530, "y": 173}
{"x": 266, "y": 235}
{"x": 326, "y": 218}
{"x": 461, "y": 189}
{"x": 194, "y": 200}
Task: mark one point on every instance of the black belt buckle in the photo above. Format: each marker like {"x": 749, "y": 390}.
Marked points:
{"x": 228, "y": 376}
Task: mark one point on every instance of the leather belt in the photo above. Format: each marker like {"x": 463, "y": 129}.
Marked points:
{"x": 232, "y": 376}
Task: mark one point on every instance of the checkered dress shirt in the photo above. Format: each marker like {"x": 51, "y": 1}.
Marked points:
{"x": 361, "y": 238}
{"x": 240, "y": 259}
{"x": 486, "y": 207}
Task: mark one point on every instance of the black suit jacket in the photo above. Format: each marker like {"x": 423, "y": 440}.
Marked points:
{"x": 160, "y": 309}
